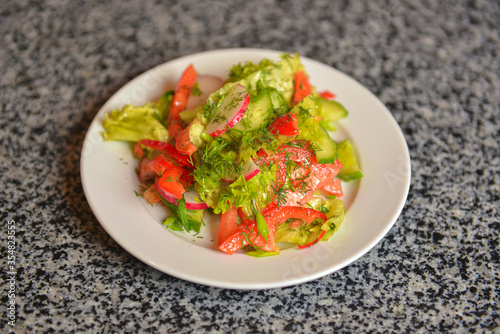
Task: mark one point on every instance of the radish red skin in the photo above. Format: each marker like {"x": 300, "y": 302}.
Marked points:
{"x": 234, "y": 114}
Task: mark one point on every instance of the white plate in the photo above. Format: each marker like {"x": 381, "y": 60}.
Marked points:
{"x": 109, "y": 181}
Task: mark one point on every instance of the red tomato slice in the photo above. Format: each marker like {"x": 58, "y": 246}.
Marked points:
{"x": 183, "y": 144}
{"x": 298, "y": 151}
{"x": 247, "y": 234}
{"x": 159, "y": 165}
{"x": 150, "y": 195}
{"x": 228, "y": 225}
{"x": 334, "y": 188}
{"x": 180, "y": 98}
{"x": 327, "y": 95}
{"x": 285, "y": 125}
{"x": 171, "y": 181}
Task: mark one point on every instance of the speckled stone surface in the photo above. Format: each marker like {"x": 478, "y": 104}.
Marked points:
{"x": 435, "y": 64}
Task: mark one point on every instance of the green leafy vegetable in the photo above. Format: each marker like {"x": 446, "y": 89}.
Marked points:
{"x": 135, "y": 123}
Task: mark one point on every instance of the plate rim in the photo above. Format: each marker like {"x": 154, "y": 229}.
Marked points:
{"x": 235, "y": 285}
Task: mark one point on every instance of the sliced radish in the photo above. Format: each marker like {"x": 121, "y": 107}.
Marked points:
{"x": 189, "y": 196}
{"x": 230, "y": 112}
{"x": 206, "y": 84}
{"x": 191, "y": 203}
{"x": 249, "y": 170}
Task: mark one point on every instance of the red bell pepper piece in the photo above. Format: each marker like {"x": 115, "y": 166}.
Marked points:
{"x": 302, "y": 87}
{"x": 285, "y": 125}
{"x": 165, "y": 147}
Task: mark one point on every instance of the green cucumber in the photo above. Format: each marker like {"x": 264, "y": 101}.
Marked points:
{"x": 330, "y": 112}
{"x": 325, "y": 147}
{"x": 257, "y": 114}
{"x": 279, "y": 104}
{"x": 347, "y": 157}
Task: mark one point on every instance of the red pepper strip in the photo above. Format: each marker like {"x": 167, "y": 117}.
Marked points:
{"x": 302, "y": 87}
{"x": 307, "y": 215}
{"x": 161, "y": 146}
{"x": 327, "y": 95}
{"x": 180, "y": 98}
{"x": 279, "y": 215}
{"x": 154, "y": 144}
{"x": 285, "y": 125}
{"x": 313, "y": 242}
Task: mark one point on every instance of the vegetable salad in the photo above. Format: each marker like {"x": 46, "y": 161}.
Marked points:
{"x": 253, "y": 148}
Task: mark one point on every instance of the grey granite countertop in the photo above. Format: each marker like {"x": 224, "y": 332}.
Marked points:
{"x": 435, "y": 64}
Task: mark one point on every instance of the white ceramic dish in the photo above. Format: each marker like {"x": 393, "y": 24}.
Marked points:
{"x": 109, "y": 181}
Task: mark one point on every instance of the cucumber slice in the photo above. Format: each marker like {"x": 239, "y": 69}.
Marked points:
{"x": 347, "y": 157}
{"x": 325, "y": 147}
{"x": 330, "y": 112}
{"x": 279, "y": 104}
{"x": 257, "y": 114}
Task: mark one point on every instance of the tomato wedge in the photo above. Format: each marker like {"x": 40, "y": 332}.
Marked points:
{"x": 150, "y": 195}
{"x": 334, "y": 188}
{"x": 228, "y": 225}
{"x": 171, "y": 181}
{"x": 159, "y": 165}
{"x": 285, "y": 125}
{"x": 180, "y": 98}
{"x": 183, "y": 144}
{"x": 302, "y": 87}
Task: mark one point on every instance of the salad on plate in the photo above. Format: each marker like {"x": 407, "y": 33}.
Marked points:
{"x": 254, "y": 148}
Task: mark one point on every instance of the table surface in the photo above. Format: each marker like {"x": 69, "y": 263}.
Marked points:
{"x": 435, "y": 65}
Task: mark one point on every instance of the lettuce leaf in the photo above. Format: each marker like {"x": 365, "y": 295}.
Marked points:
{"x": 135, "y": 123}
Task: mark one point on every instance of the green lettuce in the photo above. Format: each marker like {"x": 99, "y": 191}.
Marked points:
{"x": 135, "y": 123}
